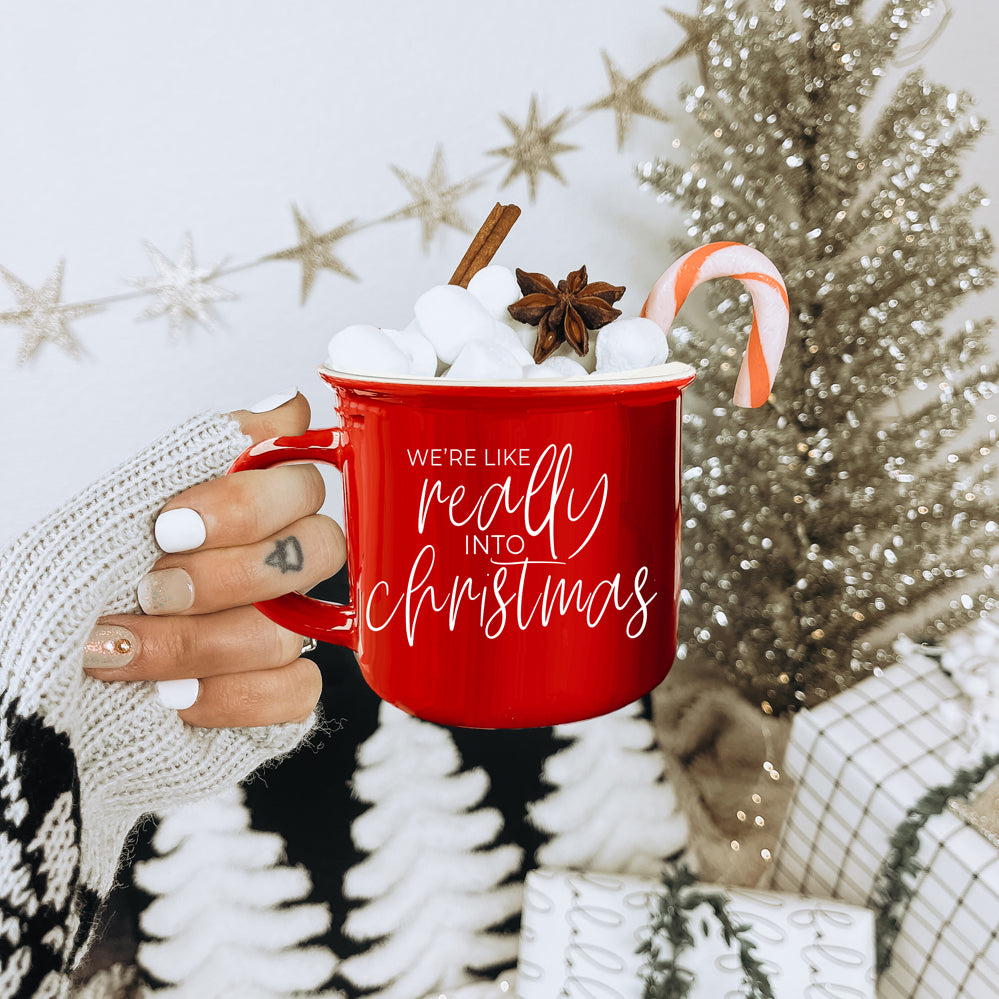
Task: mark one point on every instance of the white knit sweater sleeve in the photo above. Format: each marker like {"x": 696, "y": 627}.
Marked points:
{"x": 82, "y": 760}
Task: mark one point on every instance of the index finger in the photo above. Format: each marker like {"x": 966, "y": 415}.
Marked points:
{"x": 225, "y": 509}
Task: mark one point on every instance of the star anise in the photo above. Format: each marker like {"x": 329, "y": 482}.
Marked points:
{"x": 566, "y": 312}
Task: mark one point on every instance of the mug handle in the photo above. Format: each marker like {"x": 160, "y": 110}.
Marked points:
{"x": 319, "y": 619}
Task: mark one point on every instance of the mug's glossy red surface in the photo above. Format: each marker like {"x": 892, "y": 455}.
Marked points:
{"x": 512, "y": 550}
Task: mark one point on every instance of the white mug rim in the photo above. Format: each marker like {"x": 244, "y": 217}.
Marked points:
{"x": 671, "y": 371}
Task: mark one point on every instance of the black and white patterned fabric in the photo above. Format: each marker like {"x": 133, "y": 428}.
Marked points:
{"x": 46, "y": 911}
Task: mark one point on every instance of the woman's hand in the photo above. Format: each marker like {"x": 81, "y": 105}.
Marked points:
{"x": 231, "y": 542}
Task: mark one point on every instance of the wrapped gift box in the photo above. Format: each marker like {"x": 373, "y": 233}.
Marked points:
{"x": 580, "y": 935}
{"x": 860, "y": 761}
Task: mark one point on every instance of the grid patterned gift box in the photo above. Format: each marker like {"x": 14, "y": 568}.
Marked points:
{"x": 860, "y": 761}
{"x": 580, "y": 934}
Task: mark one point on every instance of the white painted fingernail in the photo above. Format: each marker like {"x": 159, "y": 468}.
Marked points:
{"x": 180, "y": 530}
{"x": 178, "y": 694}
{"x": 273, "y": 401}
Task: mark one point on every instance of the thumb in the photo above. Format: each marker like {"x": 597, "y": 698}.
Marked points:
{"x": 284, "y": 415}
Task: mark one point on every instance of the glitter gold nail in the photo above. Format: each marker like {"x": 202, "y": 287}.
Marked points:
{"x": 166, "y": 591}
{"x": 109, "y": 646}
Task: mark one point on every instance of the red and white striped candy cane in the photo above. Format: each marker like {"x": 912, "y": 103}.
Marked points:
{"x": 771, "y": 313}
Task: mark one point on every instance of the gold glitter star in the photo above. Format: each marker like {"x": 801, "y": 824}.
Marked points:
{"x": 534, "y": 148}
{"x": 182, "y": 290}
{"x": 626, "y": 97}
{"x": 42, "y": 316}
{"x": 434, "y": 198}
{"x": 315, "y": 251}
{"x": 700, "y": 32}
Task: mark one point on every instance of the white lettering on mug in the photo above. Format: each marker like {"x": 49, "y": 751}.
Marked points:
{"x": 541, "y": 505}
{"x": 521, "y": 589}
{"x": 494, "y": 544}
{"x": 468, "y": 457}
{"x": 494, "y": 598}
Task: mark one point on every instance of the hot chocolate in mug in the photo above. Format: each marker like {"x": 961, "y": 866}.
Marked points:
{"x": 513, "y": 549}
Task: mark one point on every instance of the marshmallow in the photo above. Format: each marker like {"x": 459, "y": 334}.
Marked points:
{"x": 503, "y": 335}
{"x": 367, "y": 350}
{"x": 450, "y": 317}
{"x": 555, "y": 367}
{"x": 588, "y": 360}
{"x": 483, "y": 361}
{"x": 626, "y": 344}
{"x": 496, "y": 288}
{"x": 419, "y": 350}
{"x": 526, "y": 333}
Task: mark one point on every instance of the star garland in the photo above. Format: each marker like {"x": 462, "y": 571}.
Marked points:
{"x": 627, "y": 97}
{"x": 41, "y": 315}
{"x": 700, "y": 29}
{"x": 315, "y": 251}
{"x": 435, "y": 199}
{"x": 185, "y": 293}
{"x": 534, "y": 148}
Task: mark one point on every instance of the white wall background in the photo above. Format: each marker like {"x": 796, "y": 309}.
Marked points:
{"x": 125, "y": 123}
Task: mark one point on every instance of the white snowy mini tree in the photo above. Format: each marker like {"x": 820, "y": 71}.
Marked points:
{"x": 227, "y": 920}
{"x": 611, "y": 809}
{"x": 434, "y": 888}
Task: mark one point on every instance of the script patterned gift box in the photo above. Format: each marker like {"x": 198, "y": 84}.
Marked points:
{"x": 860, "y": 762}
{"x": 580, "y": 937}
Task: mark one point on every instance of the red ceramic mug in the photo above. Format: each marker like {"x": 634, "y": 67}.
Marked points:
{"x": 513, "y": 550}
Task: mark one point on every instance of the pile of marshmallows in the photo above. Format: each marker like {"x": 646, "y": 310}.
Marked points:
{"x": 468, "y": 335}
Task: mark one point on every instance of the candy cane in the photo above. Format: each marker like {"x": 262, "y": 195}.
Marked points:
{"x": 771, "y": 313}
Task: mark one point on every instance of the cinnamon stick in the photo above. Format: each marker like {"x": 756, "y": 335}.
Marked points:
{"x": 485, "y": 243}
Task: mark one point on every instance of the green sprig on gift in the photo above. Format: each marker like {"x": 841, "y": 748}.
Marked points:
{"x": 670, "y": 935}
{"x": 892, "y": 891}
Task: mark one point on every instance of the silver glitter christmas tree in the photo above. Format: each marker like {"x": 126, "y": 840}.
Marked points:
{"x": 811, "y": 524}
